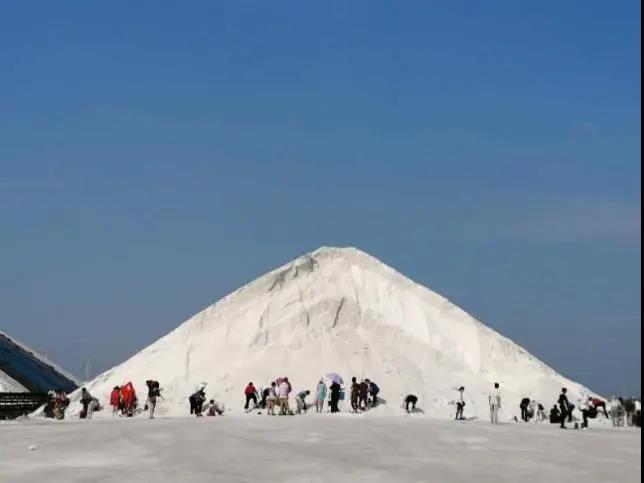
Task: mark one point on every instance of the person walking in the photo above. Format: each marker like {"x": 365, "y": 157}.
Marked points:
{"x": 460, "y": 404}
{"x": 617, "y": 411}
{"x": 154, "y": 392}
{"x": 565, "y": 407}
{"x": 540, "y": 414}
{"x": 525, "y": 404}
{"x": 495, "y": 403}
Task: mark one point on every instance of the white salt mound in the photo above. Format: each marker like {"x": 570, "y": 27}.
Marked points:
{"x": 338, "y": 310}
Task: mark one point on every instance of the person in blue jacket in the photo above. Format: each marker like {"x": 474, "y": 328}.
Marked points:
{"x": 374, "y": 390}
{"x": 320, "y": 396}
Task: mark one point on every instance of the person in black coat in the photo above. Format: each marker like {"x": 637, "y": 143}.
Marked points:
{"x": 335, "y": 397}
{"x": 154, "y": 392}
{"x": 566, "y": 408}
{"x": 525, "y": 404}
{"x": 411, "y": 400}
{"x": 555, "y": 415}
{"x": 196, "y": 402}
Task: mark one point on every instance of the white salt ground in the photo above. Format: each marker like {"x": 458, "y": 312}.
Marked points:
{"x": 313, "y": 449}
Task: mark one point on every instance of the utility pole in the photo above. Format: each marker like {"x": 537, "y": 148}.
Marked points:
{"x": 88, "y": 366}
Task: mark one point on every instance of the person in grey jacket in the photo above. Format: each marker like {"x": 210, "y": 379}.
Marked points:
{"x": 300, "y": 400}
{"x": 90, "y": 404}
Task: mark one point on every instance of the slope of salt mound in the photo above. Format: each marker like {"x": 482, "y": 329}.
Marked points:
{"x": 9, "y": 384}
{"x": 338, "y": 310}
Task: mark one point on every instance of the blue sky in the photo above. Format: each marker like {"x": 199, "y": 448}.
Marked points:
{"x": 156, "y": 155}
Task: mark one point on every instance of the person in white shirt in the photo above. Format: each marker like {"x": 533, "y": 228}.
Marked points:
{"x": 283, "y": 390}
{"x": 495, "y": 403}
{"x": 271, "y": 399}
{"x": 540, "y": 412}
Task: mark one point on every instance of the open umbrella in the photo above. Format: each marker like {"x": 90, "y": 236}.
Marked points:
{"x": 333, "y": 377}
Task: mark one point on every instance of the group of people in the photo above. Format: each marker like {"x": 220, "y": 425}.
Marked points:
{"x": 198, "y": 403}
{"x": 625, "y": 412}
{"x": 363, "y": 396}
{"x": 276, "y": 395}
{"x": 621, "y": 412}
{"x": 589, "y": 408}
{"x": 123, "y": 399}
{"x": 197, "y": 400}
{"x": 57, "y": 403}
{"x": 494, "y": 402}
{"x": 532, "y": 410}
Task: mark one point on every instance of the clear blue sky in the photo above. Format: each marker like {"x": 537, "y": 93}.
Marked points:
{"x": 156, "y": 155}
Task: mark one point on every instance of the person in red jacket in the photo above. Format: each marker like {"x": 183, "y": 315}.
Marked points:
{"x": 598, "y": 403}
{"x": 251, "y": 395}
{"x": 115, "y": 400}
{"x": 130, "y": 401}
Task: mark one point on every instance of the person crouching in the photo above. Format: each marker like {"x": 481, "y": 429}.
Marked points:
{"x": 301, "y": 401}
